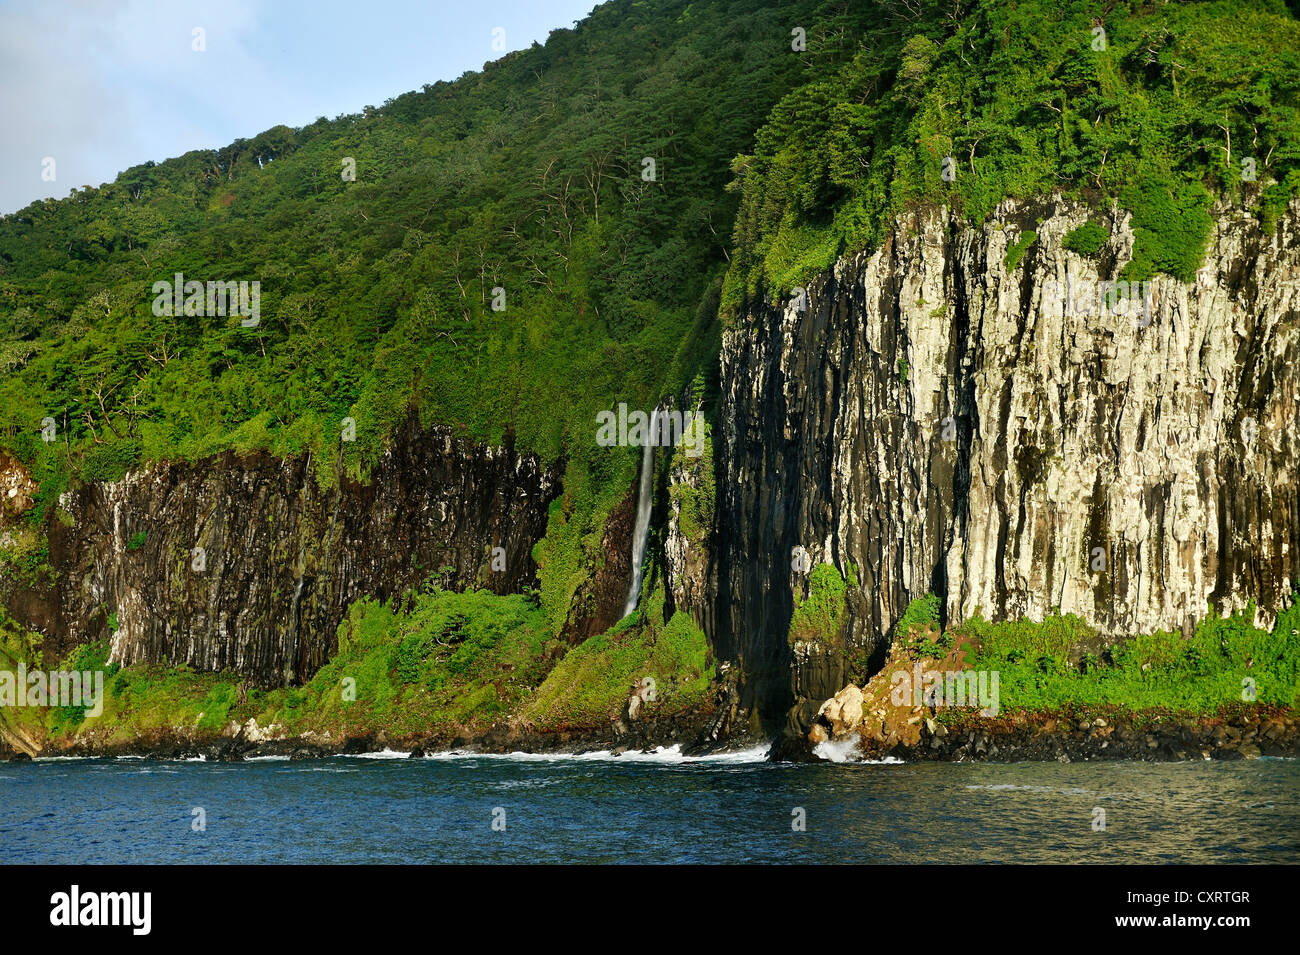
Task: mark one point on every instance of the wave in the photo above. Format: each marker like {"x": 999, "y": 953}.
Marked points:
{"x": 671, "y": 755}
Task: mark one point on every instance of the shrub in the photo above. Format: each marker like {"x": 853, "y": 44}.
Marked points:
{"x": 920, "y": 613}
{"x": 1087, "y": 240}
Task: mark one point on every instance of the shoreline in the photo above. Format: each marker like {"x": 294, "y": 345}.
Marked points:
{"x": 961, "y": 737}
{"x": 1084, "y": 736}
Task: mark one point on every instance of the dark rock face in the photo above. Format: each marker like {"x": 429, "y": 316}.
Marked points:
{"x": 949, "y": 426}
{"x": 281, "y": 557}
{"x": 598, "y": 603}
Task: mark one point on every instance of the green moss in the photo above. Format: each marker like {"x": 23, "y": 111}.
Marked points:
{"x": 822, "y": 616}
{"x": 591, "y": 685}
{"x": 454, "y": 661}
{"x": 696, "y": 504}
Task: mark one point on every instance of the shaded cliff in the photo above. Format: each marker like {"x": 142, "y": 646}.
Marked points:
{"x": 936, "y": 414}
{"x": 245, "y": 563}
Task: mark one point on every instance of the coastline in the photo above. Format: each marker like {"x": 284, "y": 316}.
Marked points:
{"x": 952, "y": 737}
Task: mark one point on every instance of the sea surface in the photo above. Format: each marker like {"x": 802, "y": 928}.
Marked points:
{"x": 645, "y": 808}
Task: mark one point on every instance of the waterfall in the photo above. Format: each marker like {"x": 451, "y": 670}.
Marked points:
{"x": 641, "y": 530}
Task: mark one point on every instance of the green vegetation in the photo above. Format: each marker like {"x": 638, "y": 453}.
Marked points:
{"x": 27, "y": 557}
{"x": 696, "y": 502}
{"x": 19, "y": 645}
{"x": 458, "y": 662}
{"x": 591, "y": 685}
{"x": 823, "y": 615}
{"x": 450, "y": 663}
{"x": 1016, "y": 251}
{"x": 966, "y": 106}
{"x": 453, "y": 661}
{"x": 1088, "y": 239}
{"x": 377, "y": 295}
{"x": 1061, "y": 662}
{"x": 921, "y": 614}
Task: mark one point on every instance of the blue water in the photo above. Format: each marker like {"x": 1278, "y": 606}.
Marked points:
{"x": 734, "y": 808}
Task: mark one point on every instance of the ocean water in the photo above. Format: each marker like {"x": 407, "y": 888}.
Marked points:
{"x": 646, "y": 808}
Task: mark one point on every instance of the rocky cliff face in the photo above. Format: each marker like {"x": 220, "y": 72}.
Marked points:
{"x": 245, "y": 563}
{"x": 950, "y": 420}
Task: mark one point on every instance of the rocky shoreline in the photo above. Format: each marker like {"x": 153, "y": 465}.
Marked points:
{"x": 1069, "y": 738}
{"x": 892, "y": 717}
{"x": 1012, "y": 737}
{"x": 250, "y": 741}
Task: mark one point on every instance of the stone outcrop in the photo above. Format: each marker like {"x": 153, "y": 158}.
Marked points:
{"x": 841, "y": 714}
{"x": 936, "y": 415}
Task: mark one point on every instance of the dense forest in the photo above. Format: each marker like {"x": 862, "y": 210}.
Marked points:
{"x": 596, "y": 182}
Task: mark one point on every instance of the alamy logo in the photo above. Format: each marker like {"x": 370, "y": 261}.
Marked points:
{"x": 83, "y": 689}
{"x": 661, "y": 429}
{"x": 1127, "y": 299}
{"x": 180, "y": 297}
{"x": 946, "y": 688}
{"x": 103, "y": 908}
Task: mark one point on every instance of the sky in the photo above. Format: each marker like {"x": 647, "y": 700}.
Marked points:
{"x": 99, "y": 86}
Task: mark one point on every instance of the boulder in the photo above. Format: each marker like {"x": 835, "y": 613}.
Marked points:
{"x": 842, "y": 713}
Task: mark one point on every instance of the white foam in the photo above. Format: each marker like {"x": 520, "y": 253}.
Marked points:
{"x": 849, "y": 751}
{"x": 671, "y": 755}
{"x": 381, "y": 754}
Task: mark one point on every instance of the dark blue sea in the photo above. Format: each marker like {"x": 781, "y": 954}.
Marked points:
{"x": 649, "y": 808}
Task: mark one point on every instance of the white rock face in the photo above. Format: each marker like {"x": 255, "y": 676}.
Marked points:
{"x": 949, "y": 426}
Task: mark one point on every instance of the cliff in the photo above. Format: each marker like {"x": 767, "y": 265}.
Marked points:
{"x": 245, "y": 563}
{"x": 938, "y": 416}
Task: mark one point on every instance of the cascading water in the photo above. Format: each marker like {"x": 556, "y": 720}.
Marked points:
{"x": 641, "y": 530}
